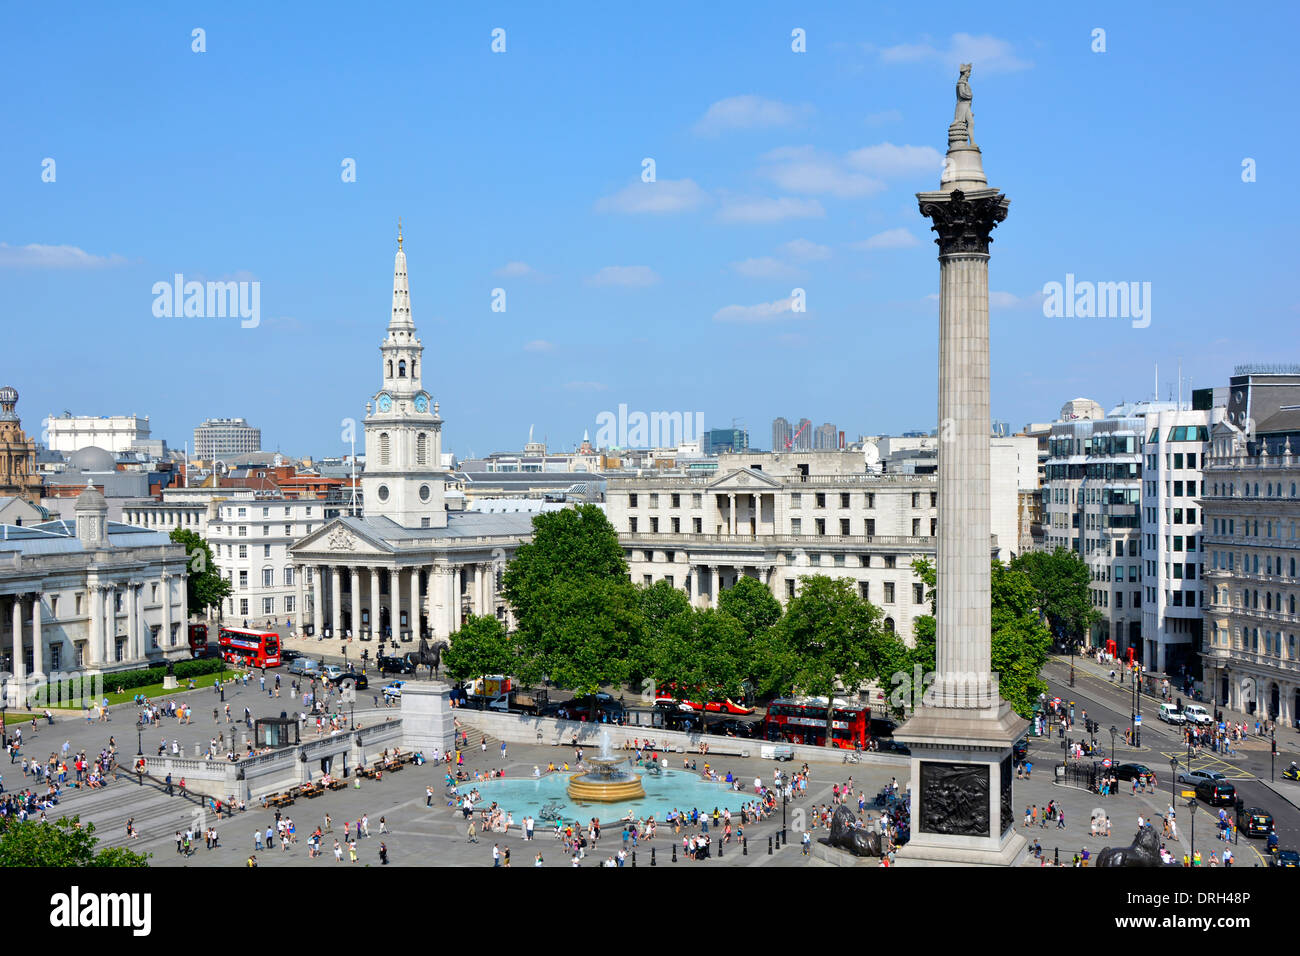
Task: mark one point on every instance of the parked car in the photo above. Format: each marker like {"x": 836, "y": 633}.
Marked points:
{"x": 1217, "y": 793}
{"x": 1020, "y": 749}
{"x": 1255, "y": 822}
{"x": 1197, "y": 714}
{"x": 888, "y": 745}
{"x": 1170, "y": 714}
{"x": 1127, "y": 771}
{"x": 305, "y": 667}
{"x": 1196, "y": 776}
{"x": 395, "y": 665}
{"x": 288, "y": 654}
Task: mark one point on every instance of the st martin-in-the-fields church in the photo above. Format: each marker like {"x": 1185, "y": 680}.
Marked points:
{"x": 409, "y": 564}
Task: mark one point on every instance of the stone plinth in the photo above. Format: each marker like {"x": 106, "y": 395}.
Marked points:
{"x": 427, "y": 723}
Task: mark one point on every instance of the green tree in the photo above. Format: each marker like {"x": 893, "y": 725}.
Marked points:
{"x": 753, "y": 606}
{"x": 1061, "y": 583}
{"x": 660, "y": 603}
{"x": 580, "y": 619}
{"x": 204, "y": 585}
{"x": 829, "y": 636}
{"x": 1019, "y": 641}
{"x": 480, "y": 647}
{"x": 63, "y": 843}
{"x": 704, "y": 653}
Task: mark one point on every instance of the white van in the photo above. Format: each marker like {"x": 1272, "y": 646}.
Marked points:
{"x": 1170, "y": 714}
{"x": 1197, "y": 714}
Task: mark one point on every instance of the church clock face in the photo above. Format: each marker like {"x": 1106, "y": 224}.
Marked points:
{"x": 421, "y": 404}
{"x": 385, "y": 403}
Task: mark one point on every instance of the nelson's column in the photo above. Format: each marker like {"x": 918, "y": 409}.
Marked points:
{"x": 961, "y": 735}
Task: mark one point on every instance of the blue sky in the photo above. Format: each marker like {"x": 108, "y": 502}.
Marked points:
{"x": 521, "y": 170}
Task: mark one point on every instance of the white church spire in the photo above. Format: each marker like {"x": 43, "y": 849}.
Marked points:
{"x": 401, "y": 319}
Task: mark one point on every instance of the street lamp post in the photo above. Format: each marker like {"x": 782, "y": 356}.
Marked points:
{"x": 1173, "y": 773}
{"x": 1191, "y": 805}
{"x": 1113, "y": 732}
{"x": 1272, "y": 757}
{"x": 139, "y": 750}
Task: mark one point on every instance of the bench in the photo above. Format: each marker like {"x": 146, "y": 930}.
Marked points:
{"x": 337, "y": 785}
{"x": 281, "y": 800}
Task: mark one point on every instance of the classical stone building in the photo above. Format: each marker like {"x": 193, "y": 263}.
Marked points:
{"x": 777, "y": 525}
{"x": 1250, "y": 496}
{"x": 18, "y": 475}
{"x": 89, "y": 594}
{"x": 411, "y": 565}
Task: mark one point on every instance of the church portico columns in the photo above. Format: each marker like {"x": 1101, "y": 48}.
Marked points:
{"x": 167, "y": 638}
{"x": 375, "y": 616}
{"x": 356, "y": 604}
{"x": 395, "y": 601}
{"x": 300, "y": 595}
{"x": 19, "y": 665}
{"x": 336, "y": 601}
{"x": 415, "y": 603}
{"x": 318, "y": 601}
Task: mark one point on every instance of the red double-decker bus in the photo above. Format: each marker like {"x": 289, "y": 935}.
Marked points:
{"x": 248, "y": 648}
{"x": 198, "y": 641}
{"x": 802, "y": 720}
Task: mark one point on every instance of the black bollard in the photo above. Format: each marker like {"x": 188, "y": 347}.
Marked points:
{"x": 744, "y": 846}
{"x": 719, "y": 849}
{"x": 634, "y": 857}
{"x": 769, "y": 846}
{"x": 1057, "y": 861}
{"x": 652, "y": 857}
{"x": 674, "y": 852}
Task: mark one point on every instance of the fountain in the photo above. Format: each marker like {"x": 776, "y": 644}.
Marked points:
{"x": 605, "y": 782}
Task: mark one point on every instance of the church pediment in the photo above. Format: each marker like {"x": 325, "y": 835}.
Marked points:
{"x": 342, "y": 537}
{"x": 744, "y": 480}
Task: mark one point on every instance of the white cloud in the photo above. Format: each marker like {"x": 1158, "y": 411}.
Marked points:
{"x": 886, "y": 159}
{"x": 38, "y": 256}
{"x": 988, "y": 53}
{"x": 801, "y": 169}
{"x": 1002, "y": 300}
{"x": 761, "y": 209}
{"x": 637, "y": 276}
{"x": 539, "y": 345}
{"x": 517, "y": 270}
{"x": 883, "y": 117}
{"x": 889, "y": 239}
{"x": 763, "y": 312}
{"x": 586, "y": 386}
{"x": 661, "y": 197}
{"x": 765, "y": 267}
{"x": 748, "y": 112}
{"x": 805, "y": 250}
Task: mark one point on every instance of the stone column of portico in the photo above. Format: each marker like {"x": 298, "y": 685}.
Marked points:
{"x": 415, "y": 603}
{"x": 375, "y": 616}
{"x": 318, "y": 601}
{"x": 715, "y": 585}
{"x": 457, "y": 606}
{"x": 19, "y": 665}
{"x": 731, "y": 513}
{"x": 300, "y": 595}
{"x": 395, "y": 601}
{"x": 38, "y": 647}
{"x": 336, "y": 601}
{"x": 960, "y": 739}
{"x": 690, "y": 584}
{"x": 134, "y": 639}
{"x": 166, "y": 584}
{"x": 110, "y": 623}
{"x": 356, "y": 602}
{"x": 94, "y": 626}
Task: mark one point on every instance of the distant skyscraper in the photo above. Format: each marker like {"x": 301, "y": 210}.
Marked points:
{"x": 781, "y": 432}
{"x": 226, "y": 436}
{"x": 804, "y": 432}
{"x": 826, "y": 438}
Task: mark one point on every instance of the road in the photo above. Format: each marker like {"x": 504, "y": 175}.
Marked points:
{"x": 1111, "y": 705}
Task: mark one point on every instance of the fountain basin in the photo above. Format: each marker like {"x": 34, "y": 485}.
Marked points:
{"x": 605, "y": 783}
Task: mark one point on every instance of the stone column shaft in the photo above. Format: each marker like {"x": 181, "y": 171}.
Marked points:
{"x": 356, "y": 602}
{"x": 375, "y": 616}
{"x": 20, "y": 670}
{"x": 336, "y": 601}
{"x": 415, "y": 603}
{"x": 38, "y": 648}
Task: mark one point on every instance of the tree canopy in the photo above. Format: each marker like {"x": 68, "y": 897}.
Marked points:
{"x": 204, "y": 585}
{"x": 1060, "y": 580}
{"x": 480, "y": 647}
{"x": 702, "y": 652}
{"x": 62, "y": 843}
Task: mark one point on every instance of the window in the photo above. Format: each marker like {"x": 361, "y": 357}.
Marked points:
{"x": 796, "y": 500}
{"x": 820, "y": 500}
{"x": 697, "y": 525}
{"x": 889, "y": 592}
{"x": 654, "y": 525}
{"x": 421, "y": 449}
{"x": 243, "y": 605}
{"x": 871, "y": 499}
{"x": 383, "y": 448}
{"x": 891, "y": 561}
{"x": 821, "y": 526}
{"x": 677, "y": 501}
{"x": 789, "y": 588}
{"x": 289, "y": 604}
{"x": 288, "y": 576}
{"x": 243, "y": 550}
{"x": 871, "y": 526}
{"x": 288, "y": 531}
{"x": 268, "y": 605}
{"x": 654, "y": 501}
{"x": 844, "y": 499}
{"x": 864, "y": 590}
{"x": 266, "y": 550}
{"x": 916, "y": 527}
{"x": 243, "y": 531}
{"x": 844, "y": 527}
{"x": 918, "y": 593}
